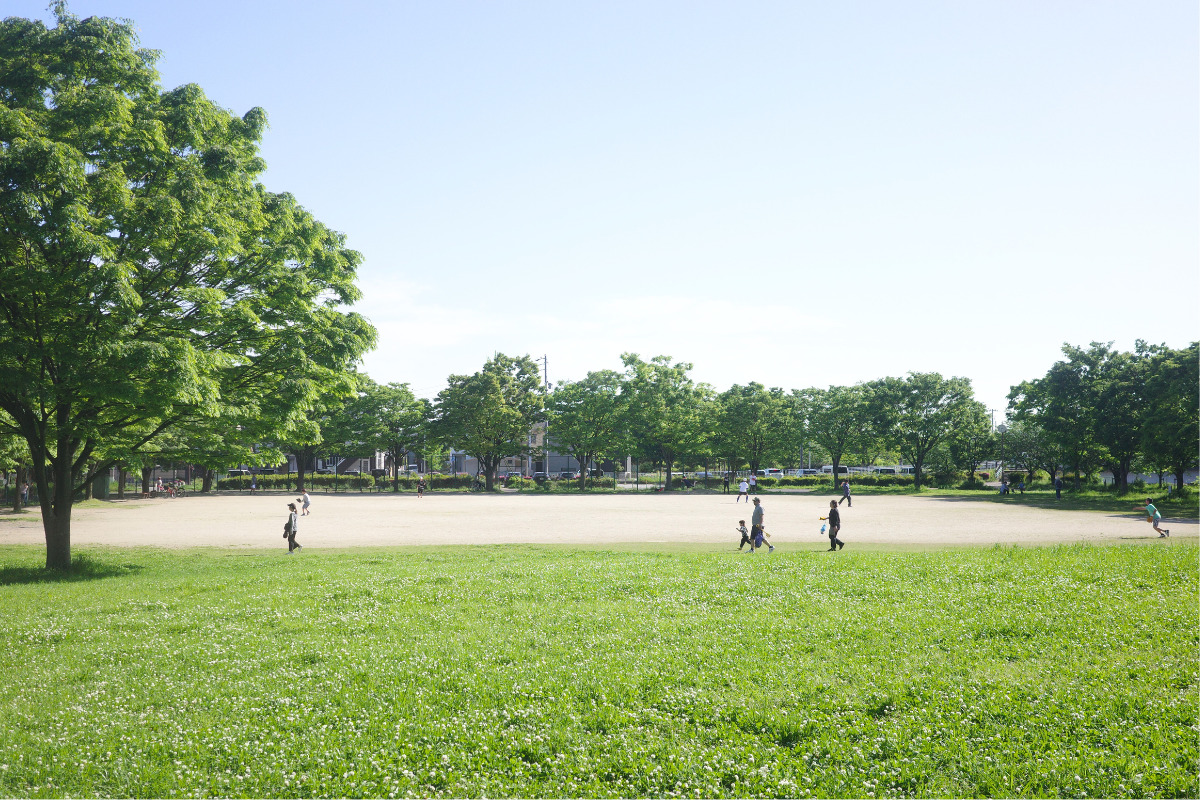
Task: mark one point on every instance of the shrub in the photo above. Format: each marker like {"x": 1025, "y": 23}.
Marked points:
{"x": 287, "y": 483}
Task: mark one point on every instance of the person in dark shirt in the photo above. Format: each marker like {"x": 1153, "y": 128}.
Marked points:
{"x": 745, "y": 532}
{"x": 835, "y": 524}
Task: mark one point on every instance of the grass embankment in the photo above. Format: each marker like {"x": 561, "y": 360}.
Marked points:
{"x": 1186, "y": 505}
{"x": 527, "y": 671}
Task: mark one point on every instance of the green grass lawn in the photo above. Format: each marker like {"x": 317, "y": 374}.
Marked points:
{"x": 567, "y": 671}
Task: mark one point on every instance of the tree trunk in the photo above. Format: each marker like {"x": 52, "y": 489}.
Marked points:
{"x": 206, "y": 484}
{"x": 583, "y": 459}
{"x": 146, "y": 479}
{"x": 1179, "y": 479}
{"x": 56, "y": 515}
{"x": 121, "y": 482}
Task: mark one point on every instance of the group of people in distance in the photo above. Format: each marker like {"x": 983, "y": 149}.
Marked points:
{"x": 757, "y": 534}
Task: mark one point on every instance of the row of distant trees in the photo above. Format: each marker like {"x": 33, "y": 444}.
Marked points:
{"x": 1098, "y": 408}
{"x": 653, "y": 412}
{"x": 1104, "y": 408}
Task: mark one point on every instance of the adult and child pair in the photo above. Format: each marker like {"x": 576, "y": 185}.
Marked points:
{"x": 758, "y": 531}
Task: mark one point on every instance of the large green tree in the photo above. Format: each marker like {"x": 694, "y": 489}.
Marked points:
{"x": 1064, "y": 404}
{"x": 586, "y": 418}
{"x": 403, "y": 420}
{"x": 751, "y": 422}
{"x": 971, "y": 441}
{"x": 1171, "y": 434}
{"x": 920, "y": 412}
{"x": 146, "y": 276}
{"x": 663, "y": 410}
{"x": 835, "y": 418}
{"x": 490, "y": 414}
{"x": 1025, "y": 445}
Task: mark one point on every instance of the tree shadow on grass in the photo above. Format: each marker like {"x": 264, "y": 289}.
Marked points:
{"x": 82, "y": 568}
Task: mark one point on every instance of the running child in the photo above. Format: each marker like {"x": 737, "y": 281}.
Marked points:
{"x": 745, "y": 532}
{"x": 1153, "y": 517}
{"x": 743, "y": 491}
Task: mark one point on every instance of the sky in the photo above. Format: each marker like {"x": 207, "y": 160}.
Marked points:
{"x": 795, "y": 193}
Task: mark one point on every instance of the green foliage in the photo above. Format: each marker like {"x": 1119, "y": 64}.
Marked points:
{"x": 490, "y": 414}
{"x": 1171, "y": 429}
{"x": 922, "y": 412}
{"x": 751, "y": 423}
{"x": 664, "y": 410}
{"x": 601, "y": 672}
{"x": 269, "y": 482}
{"x": 856, "y": 479}
{"x": 147, "y": 279}
{"x": 837, "y": 419}
{"x": 587, "y": 418}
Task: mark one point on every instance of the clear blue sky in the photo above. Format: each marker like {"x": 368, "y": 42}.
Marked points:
{"x": 798, "y": 193}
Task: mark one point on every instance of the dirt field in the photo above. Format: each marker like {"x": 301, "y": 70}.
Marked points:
{"x": 384, "y": 520}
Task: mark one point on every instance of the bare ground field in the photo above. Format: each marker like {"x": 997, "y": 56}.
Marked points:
{"x": 378, "y": 520}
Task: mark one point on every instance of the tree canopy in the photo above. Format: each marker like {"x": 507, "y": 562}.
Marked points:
{"x": 147, "y": 278}
{"x": 489, "y": 414}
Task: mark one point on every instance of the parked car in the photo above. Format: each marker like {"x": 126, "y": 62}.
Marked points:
{"x": 567, "y": 475}
{"x": 885, "y": 470}
{"x": 710, "y": 476}
{"x": 770, "y": 472}
{"x": 238, "y": 473}
{"x": 541, "y": 477}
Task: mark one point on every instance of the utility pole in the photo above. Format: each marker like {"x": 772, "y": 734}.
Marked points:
{"x": 545, "y": 423}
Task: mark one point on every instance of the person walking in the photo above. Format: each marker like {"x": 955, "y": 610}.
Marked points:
{"x": 1058, "y": 488}
{"x": 757, "y": 528}
{"x": 420, "y": 488}
{"x": 25, "y": 494}
{"x": 743, "y": 491}
{"x": 305, "y": 501}
{"x": 726, "y": 483}
{"x": 835, "y": 525}
{"x": 1154, "y": 518}
{"x": 753, "y": 483}
{"x": 289, "y": 529}
{"x": 846, "y": 494}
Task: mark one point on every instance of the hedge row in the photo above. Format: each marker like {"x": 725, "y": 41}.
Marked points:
{"x": 525, "y": 484}
{"x": 269, "y": 482}
{"x": 824, "y": 480}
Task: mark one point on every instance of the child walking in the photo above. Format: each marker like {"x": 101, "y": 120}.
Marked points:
{"x": 835, "y": 524}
